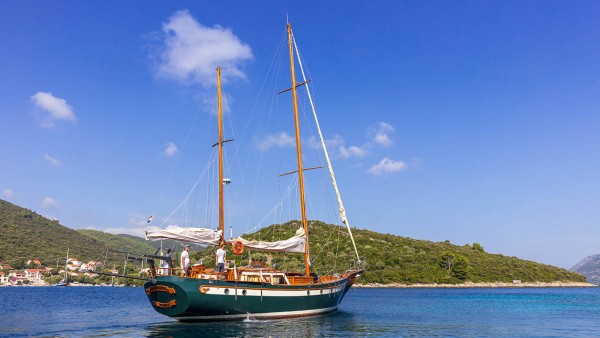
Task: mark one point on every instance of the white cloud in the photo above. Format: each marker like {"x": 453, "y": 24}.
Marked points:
{"x": 140, "y": 232}
{"x": 170, "y": 149}
{"x": 353, "y": 151}
{"x": 193, "y": 51}
{"x": 207, "y": 102}
{"x": 56, "y": 108}
{"x": 382, "y": 134}
{"x": 386, "y": 166}
{"x": 334, "y": 142}
{"x": 8, "y": 193}
{"x": 53, "y": 161}
{"x": 49, "y": 202}
{"x": 416, "y": 162}
{"x": 138, "y": 220}
{"x": 281, "y": 139}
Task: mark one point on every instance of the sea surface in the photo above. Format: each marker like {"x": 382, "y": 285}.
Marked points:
{"x": 125, "y": 312}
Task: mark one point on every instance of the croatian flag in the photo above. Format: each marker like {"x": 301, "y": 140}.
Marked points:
{"x": 149, "y": 219}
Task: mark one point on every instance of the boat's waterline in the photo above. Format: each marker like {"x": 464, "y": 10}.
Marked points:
{"x": 267, "y": 315}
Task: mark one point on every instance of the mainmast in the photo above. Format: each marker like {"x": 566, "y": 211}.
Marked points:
{"x": 220, "y": 143}
{"x": 298, "y": 150}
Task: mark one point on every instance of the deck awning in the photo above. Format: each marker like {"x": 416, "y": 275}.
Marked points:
{"x": 293, "y": 244}
{"x": 187, "y": 235}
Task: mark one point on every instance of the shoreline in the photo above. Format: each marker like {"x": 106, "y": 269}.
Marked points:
{"x": 481, "y": 285}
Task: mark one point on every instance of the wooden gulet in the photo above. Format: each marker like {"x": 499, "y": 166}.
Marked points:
{"x": 252, "y": 291}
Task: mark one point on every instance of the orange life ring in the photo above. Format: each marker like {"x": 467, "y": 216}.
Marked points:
{"x": 237, "y": 248}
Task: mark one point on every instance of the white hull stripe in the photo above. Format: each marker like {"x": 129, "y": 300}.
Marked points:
{"x": 249, "y": 292}
{"x": 282, "y": 314}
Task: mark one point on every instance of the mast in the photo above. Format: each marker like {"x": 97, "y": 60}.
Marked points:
{"x": 220, "y": 143}
{"x": 298, "y": 150}
{"x": 66, "y": 263}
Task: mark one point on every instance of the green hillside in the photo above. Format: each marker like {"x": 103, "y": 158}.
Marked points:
{"x": 395, "y": 259}
{"x": 124, "y": 243}
{"x": 26, "y": 235}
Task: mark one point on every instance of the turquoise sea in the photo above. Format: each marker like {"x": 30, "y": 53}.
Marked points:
{"x": 125, "y": 312}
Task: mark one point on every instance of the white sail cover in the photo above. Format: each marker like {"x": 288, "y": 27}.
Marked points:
{"x": 188, "y": 235}
{"x": 293, "y": 244}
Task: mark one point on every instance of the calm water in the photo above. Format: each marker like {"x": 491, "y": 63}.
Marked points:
{"x": 125, "y": 312}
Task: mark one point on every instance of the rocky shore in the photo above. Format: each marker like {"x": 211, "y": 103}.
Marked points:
{"x": 482, "y": 285}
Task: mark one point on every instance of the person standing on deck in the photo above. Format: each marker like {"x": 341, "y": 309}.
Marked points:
{"x": 185, "y": 261}
{"x": 167, "y": 264}
{"x": 220, "y": 258}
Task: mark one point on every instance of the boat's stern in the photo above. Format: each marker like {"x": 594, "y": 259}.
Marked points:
{"x": 166, "y": 296}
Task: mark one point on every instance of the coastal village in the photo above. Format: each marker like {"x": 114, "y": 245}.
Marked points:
{"x": 36, "y": 274}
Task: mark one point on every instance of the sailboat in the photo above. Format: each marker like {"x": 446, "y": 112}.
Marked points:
{"x": 65, "y": 280}
{"x": 253, "y": 291}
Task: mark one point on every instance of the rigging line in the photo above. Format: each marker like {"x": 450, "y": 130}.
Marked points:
{"x": 176, "y": 163}
{"x": 263, "y": 87}
{"x": 236, "y": 146}
{"x": 261, "y": 158}
{"x": 329, "y": 166}
{"x": 293, "y": 183}
{"x": 276, "y": 54}
{"x": 315, "y": 148}
{"x": 188, "y": 195}
{"x": 207, "y": 197}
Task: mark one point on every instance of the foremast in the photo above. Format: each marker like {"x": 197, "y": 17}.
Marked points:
{"x": 220, "y": 143}
{"x": 298, "y": 150}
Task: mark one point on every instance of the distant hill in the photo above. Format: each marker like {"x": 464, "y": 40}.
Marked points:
{"x": 590, "y": 268}
{"x": 124, "y": 243}
{"x": 26, "y": 235}
{"x": 396, "y": 259}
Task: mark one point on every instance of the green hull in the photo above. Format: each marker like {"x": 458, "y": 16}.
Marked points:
{"x": 191, "y": 299}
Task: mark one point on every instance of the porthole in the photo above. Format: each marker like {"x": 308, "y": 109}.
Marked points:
{"x": 226, "y": 291}
{"x": 244, "y": 292}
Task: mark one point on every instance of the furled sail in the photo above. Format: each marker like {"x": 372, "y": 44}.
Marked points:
{"x": 293, "y": 244}
{"x": 188, "y": 235}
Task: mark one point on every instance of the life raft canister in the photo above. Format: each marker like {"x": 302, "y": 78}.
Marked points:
{"x": 237, "y": 248}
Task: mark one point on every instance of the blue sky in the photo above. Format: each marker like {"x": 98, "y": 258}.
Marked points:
{"x": 468, "y": 122}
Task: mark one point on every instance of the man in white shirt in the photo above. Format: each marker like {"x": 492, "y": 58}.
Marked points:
{"x": 185, "y": 261}
{"x": 220, "y": 258}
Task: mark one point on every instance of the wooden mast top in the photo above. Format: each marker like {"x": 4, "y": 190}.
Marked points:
{"x": 220, "y": 143}
{"x": 298, "y": 150}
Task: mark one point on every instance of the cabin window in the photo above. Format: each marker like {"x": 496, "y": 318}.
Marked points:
{"x": 253, "y": 278}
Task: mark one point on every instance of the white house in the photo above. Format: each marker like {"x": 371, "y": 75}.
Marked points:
{"x": 94, "y": 265}
{"x": 34, "y": 275}
{"x": 74, "y": 261}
